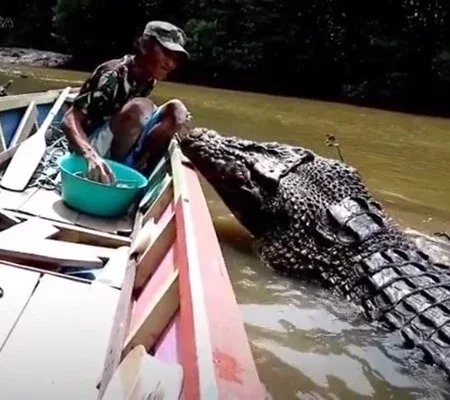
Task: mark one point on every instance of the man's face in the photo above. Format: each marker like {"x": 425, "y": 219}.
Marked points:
{"x": 158, "y": 61}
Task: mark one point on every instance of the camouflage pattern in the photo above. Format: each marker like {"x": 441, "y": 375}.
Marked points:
{"x": 167, "y": 34}
{"x": 107, "y": 90}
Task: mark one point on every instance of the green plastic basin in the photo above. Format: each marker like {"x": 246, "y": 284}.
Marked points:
{"x": 96, "y": 198}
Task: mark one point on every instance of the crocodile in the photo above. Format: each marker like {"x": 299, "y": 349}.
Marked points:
{"x": 313, "y": 217}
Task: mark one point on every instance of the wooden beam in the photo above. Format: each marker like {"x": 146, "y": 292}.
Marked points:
{"x": 162, "y": 201}
{"x": 17, "y": 287}
{"x": 79, "y": 234}
{"x": 41, "y": 271}
{"x": 141, "y": 376}
{"x": 144, "y": 237}
{"x": 154, "y": 254}
{"x": 120, "y": 328}
{"x": 159, "y": 312}
{"x": 23, "y": 100}
{"x": 153, "y": 182}
{"x": 80, "y": 248}
{"x": 10, "y": 200}
{"x": 27, "y": 123}
{"x": 3, "y": 145}
{"x": 196, "y": 347}
{"x": 59, "y": 344}
{"x": 32, "y": 229}
{"x": 45, "y": 254}
{"x": 234, "y": 365}
{"x": 48, "y": 204}
{"x": 111, "y": 225}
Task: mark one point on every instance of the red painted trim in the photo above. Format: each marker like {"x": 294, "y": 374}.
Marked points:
{"x": 186, "y": 342}
{"x": 235, "y": 368}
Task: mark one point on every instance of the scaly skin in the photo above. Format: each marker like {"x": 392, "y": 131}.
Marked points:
{"x": 313, "y": 217}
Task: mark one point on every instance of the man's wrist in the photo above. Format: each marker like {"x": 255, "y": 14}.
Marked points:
{"x": 89, "y": 153}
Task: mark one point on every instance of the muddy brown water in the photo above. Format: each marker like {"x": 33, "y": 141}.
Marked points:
{"x": 307, "y": 344}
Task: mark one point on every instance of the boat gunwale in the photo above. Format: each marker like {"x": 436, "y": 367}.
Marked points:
{"x": 22, "y": 100}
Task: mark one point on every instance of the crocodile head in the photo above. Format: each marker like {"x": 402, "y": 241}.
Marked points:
{"x": 245, "y": 174}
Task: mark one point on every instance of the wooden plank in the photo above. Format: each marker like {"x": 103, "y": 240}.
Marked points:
{"x": 46, "y": 255}
{"x": 159, "y": 312}
{"x": 30, "y": 152}
{"x": 80, "y": 248}
{"x": 111, "y": 225}
{"x": 153, "y": 181}
{"x": 79, "y": 234}
{"x": 119, "y": 329}
{"x": 144, "y": 237}
{"x": 60, "y": 342}
{"x": 114, "y": 271}
{"x": 32, "y": 229}
{"x": 161, "y": 203}
{"x": 145, "y": 296}
{"x": 46, "y": 271}
{"x": 151, "y": 258}
{"x": 141, "y": 376}
{"x": 48, "y": 204}
{"x": 235, "y": 369}
{"x": 153, "y": 192}
{"x": 14, "y": 200}
{"x": 27, "y": 123}
{"x": 17, "y": 286}
{"x": 197, "y": 349}
{"x": 3, "y": 145}
{"x": 23, "y": 100}
{"x": 124, "y": 377}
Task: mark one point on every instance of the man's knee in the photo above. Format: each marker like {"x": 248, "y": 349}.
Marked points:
{"x": 137, "y": 109}
{"x": 130, "y": 119}
{"x": 176, "y": 111}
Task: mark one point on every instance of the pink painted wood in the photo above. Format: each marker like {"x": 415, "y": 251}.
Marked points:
{"x": 219, "y": 340}
{"x": 235, "y": 370}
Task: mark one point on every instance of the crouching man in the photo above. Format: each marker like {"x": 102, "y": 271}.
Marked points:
{"x": 112, "y": 116}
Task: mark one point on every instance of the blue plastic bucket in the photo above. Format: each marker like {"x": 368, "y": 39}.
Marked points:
{"x": 95, "y": 198}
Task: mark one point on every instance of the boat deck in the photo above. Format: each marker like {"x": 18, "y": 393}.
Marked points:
{"x": 97, "y": 308}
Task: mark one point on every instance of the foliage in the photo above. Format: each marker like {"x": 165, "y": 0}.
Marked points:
{"x": 387, "y": 52}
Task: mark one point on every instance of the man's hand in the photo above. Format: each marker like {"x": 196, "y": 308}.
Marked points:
{"x": 99, "y": 170}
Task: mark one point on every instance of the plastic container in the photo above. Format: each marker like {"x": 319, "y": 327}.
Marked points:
{"x": 95, "y": 198}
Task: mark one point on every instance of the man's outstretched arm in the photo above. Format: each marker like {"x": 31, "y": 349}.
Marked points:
{"x": 78, "y": 141}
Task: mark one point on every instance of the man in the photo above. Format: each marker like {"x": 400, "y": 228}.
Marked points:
{"x": 112, "y": 117}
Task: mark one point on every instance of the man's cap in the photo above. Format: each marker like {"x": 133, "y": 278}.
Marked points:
{"x": 169, "y": 35}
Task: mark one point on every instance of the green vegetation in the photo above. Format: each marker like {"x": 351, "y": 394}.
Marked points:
{"x": 382, "y": 52}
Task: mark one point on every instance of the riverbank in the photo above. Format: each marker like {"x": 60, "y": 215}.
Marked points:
{"x": 17, "y": 57}
{"x": 32, "y": 57}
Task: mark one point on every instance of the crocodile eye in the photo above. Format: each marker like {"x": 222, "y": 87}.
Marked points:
{"x": 265, "y": 176}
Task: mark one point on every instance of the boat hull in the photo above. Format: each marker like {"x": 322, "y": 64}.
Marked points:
{"x": 161, "y": 278}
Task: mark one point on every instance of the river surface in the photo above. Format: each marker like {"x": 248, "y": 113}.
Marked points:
{"x": 307, "y": 344}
